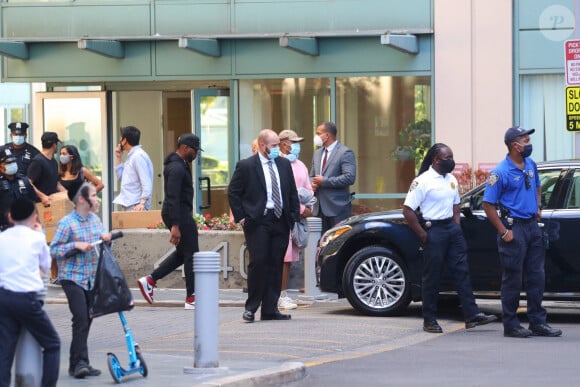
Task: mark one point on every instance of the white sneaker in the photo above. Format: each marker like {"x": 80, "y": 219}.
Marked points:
{"x": 286, "y": 303}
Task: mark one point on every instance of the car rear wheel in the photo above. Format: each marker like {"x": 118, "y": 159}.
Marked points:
{"x": 376, "y": 283}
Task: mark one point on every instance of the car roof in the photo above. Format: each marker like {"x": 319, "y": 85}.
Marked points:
{"x": 560, "y": 163}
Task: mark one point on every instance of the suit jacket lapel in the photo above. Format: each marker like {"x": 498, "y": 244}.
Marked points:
{"x": 260, "y": 171}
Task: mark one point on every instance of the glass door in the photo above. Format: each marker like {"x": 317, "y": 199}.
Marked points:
{"x": 211, "y": 118}
{"x": 80, "y": 119}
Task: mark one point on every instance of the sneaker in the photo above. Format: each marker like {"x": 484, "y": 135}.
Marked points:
{"x": 190, "y": 302}
{"x": 146, "y": 285}
{"x": 81, "y": 370}
{"x": 94, "y": 371}
{"x": 286, "y": 303}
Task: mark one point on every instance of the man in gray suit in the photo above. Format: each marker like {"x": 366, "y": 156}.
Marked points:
{"x": 333, "y": 172}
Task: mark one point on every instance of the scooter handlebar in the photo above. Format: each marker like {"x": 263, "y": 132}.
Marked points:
{"x": 114, "y": 235}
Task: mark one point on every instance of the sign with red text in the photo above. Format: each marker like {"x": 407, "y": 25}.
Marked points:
{"x": 572, "y": 55}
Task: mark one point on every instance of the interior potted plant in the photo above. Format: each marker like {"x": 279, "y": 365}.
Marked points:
{"x": 414, "y": 142}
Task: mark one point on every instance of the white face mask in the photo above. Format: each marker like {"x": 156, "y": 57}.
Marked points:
{"x": 318, "y": 141}
{"x": 11, "y": 168}
{"x": 18, "y": 140}
{"x": 64, "y": 159}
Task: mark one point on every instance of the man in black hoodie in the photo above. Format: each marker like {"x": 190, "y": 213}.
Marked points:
{"x": 177, "y": 214}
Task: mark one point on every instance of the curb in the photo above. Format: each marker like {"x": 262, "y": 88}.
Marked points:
{"x": 273, "y": 376}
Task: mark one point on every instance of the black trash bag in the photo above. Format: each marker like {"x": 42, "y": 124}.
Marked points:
{"x": 110, "y": 293}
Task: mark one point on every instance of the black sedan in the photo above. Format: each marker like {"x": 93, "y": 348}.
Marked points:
{"x": 375, "y": 259}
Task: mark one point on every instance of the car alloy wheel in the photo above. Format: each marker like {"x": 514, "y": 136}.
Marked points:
{"x": 375, "y": 282}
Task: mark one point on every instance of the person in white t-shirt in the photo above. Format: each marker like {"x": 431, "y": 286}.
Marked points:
{"x": 22, "y": 268}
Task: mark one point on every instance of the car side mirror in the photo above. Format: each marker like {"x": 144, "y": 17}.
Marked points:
{"x": 466, "y": 206}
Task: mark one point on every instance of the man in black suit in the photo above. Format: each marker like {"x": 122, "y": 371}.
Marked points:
{"x": 264, "y": 200}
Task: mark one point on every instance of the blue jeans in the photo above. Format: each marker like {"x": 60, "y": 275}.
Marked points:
{"x": 24, "y": 311}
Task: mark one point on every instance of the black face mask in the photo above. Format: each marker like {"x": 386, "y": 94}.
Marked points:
{"x": 447, "y": 166}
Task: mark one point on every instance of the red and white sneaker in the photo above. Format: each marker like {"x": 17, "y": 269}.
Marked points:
{"x": 146, "y": 285}
{"x": 190, "y": 302}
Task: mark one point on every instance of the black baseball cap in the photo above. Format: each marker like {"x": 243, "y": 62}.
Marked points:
{"x": 50, "y": 137}
{"x": 191, "y": 140}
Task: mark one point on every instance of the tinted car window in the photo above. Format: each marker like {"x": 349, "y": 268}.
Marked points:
{"x": 548, "y": 180}
{"x": 574, "y": 197}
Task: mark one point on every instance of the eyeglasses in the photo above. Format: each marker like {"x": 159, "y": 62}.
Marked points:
{"x": 527, "y": 180}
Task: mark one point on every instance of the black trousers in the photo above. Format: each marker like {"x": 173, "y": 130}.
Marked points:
{"x": 522, "y": 259}
{"x": 183, "y": 254}
{"x": 445, "y": 243}
{"x": 24, "y": 310}
{"x": 267, "y": 240}
{"x": 79, "y": 302}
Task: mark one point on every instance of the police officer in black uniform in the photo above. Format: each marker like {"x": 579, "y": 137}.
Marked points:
{"x": 12, "y": 185}
{"x": 19, "y": 148}
{"x": 435, "y": 192}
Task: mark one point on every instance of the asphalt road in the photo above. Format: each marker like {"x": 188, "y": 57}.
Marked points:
{"x": 338, "y": 346}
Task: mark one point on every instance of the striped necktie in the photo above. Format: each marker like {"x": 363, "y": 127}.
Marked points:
{"x": 275, "y": 191}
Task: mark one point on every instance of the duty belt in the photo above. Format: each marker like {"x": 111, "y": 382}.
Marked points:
{"x": 432, "y": 222}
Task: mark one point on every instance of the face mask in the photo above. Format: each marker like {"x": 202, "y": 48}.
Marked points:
{"x": 11, "y": 168}
{"x": 295, "y": 149}
{"x": 527, "y": 151}
{"x": 318, "y": 141}
{"x": 64, "y": 159}
{"x": 291, "y": 157}
{"x": 191, "y": 157}
{"x": 18, "y": 140}
{"x": 447, "y": 165}
{"x": 274, "y": 152}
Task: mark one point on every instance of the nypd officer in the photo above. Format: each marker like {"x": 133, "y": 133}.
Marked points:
{"x": 514, "y": 186}
{"x": 12, "y": 185}
{"x": 436, "y": 194}
{"x": 23, "y": 151}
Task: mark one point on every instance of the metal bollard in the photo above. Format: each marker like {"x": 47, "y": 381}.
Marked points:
{"x": 206, "y": 266}
{"x": 311, "y": 291}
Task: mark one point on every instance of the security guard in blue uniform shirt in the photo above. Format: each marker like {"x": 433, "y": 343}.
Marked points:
{"x": 23, "y": 151}
{"x": 436, "y": 193}
{"x": 12, "y": 185}
{"x": 514, "y": 187}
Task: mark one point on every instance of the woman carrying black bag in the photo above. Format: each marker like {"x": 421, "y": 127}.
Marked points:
{"x": 75, "y": 234}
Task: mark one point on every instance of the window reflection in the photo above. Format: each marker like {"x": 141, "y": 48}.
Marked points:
{"x": 386, "y": 122}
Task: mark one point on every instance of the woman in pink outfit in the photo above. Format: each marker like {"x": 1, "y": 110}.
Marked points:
{"x": 290, "y": 148}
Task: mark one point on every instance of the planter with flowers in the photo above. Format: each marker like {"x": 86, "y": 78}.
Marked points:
{"x": 142, "y": 249}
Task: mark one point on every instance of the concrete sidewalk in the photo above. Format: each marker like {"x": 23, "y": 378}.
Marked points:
{"x": 250, "y": 372}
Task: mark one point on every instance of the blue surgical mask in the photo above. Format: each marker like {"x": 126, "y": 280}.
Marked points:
{"x": 291, "y": 157}
{"x": 18, "y": 140}
{"x": 274, "y": 152}
{"x": 11, "y": 168}
{"x": 295, "y": 149}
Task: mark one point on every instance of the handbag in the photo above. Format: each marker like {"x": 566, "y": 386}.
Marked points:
{"x": 300, "y": 234}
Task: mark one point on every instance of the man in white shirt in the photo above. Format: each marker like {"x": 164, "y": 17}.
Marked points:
{"x": 22, "y": 266}
{"x": 136, "y": 173}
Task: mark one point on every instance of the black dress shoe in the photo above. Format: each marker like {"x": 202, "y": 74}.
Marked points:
{"x": 275, "y": 316}
{"x": 248, "y": 316}
{"x": 519, "y": 332}
{"x": 479, "y": 319}
{"x": 544, "y": 330}
{"x": 432, "y": 327}
{"x": 94, "y": 371}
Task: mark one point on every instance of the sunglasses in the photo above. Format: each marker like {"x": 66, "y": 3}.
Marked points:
{"x": 527, "y": 181}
